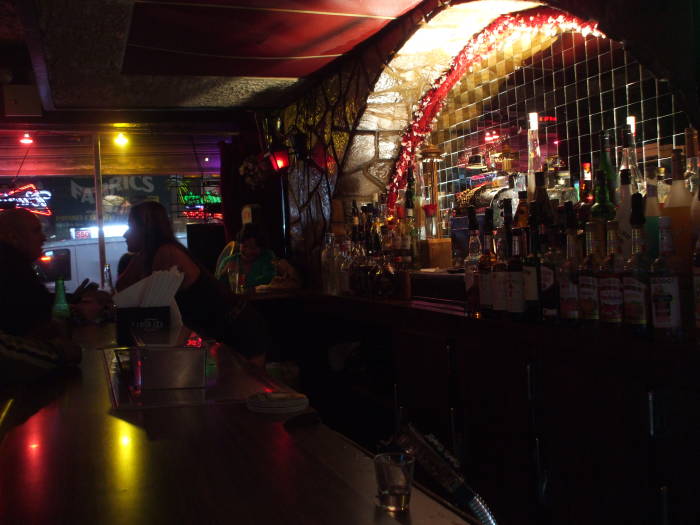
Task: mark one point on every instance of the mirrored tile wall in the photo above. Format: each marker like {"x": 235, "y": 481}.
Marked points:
{"x": 578, "y": 86}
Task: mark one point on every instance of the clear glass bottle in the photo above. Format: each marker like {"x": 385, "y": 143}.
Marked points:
{"x": 628, "y": 161}
{"x": 623, "y": 214}
{"x": 665, "y": 289}
{"x": 471, "y": 265}
{"x": 534, "y": 155}
{"x": 610, "y": 280}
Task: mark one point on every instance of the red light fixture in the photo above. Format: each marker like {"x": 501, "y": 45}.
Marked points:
{"x": 26, "y": 139}
{"x": 279, "y": 155}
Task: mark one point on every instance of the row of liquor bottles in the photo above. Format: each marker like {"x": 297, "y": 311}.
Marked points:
{"x": 633, "y": 269}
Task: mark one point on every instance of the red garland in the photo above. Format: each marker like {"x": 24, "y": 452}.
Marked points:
{"x": 477, "y": 49}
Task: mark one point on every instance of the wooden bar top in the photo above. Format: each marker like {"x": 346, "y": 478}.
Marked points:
{"x": 75, "y": 460}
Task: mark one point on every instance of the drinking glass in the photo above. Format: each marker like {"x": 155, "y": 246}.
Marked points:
{"x": 394, "y": 479}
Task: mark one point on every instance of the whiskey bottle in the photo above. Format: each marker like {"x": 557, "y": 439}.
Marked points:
{"x": 587, "y": 278}
{"x": 610, "y": 280}
{"x": 485, "y": 263}
{"x": 665, "y": 289}
{"x": 471, "y": 265}
{"x": 635, "y": 280}
{"x": 521, "y": 211}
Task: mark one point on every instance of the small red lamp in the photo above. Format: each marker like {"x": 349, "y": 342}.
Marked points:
{"x": 26, "y": 139}
{"x": 279, "y": 156}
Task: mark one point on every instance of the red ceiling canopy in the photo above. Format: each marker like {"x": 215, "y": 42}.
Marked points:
{"x": 250, "y": 38}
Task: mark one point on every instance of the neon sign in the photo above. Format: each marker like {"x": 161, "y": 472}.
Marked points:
{"x": 30, "y": 198}
{"x": 207, "y": 197}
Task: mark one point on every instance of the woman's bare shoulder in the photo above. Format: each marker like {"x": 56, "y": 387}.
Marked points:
{"x": 169, "y": 255}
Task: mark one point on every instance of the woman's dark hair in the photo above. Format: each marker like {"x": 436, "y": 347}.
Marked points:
{"x": 152, "y": 220}
{"x": 253, "y": 231}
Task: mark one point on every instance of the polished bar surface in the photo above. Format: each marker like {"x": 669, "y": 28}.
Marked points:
{"x": 75, "y": 460}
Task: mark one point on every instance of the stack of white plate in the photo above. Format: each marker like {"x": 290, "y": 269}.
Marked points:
{"x": 277, "y": 402}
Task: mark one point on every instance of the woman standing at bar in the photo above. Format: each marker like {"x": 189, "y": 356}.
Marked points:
{"x": 205, "y": 304}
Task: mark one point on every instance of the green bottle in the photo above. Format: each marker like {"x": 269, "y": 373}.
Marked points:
{"x": 603, "y": 208}
{"x": 60, "y": 310}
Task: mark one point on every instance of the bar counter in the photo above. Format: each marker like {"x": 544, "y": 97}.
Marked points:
{"x": 70, "y": 458}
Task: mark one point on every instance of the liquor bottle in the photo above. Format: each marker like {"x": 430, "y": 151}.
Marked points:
{"x": 677, "y": 207}
{"x": 521, "y": 211}
{"x": 499, "y": 275}
{"x": 515, "y": 283}
{"x": 471, "y": 265}
{"x": 587, "y": 276}
{"x": 628, "y": 161}
{"x": 665, "y": 288}
{"x": 534, "y": 155}
{"x": 531, "y": 268}
{"x": 550, "y": 261}
{"x": 485, "y": 263}
{"x": 635, "y": 280}
{"x": 567, "y": 276}
{"x": 545, "y": 210}
{"x": 652, "y": 211}
{"x": 603, "y": 208}
{"x": 355, "y": 234}
{"x": 607, "y": 167}
{"x": 107, "y": 276}
{"x": 623, "y": 214}
{"x": 60, "y": 310}
{"x": 610, "y": 280}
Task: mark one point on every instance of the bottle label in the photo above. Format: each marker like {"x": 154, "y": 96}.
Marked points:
{"x": 546, "y": 278}
{"x": 515, "y": 292}
{"x": 634, "y": 295}
{"x": 530, "y": 284}
{"x": 588, "y": 297}
{"x": 485, "y": 289}
{"x": 665, "y": 302}
{"x": 498, "y": 290}
{"x": 696, "y": 290}
{"x": 610, "y": 290}
{"x": 568, "y": 299}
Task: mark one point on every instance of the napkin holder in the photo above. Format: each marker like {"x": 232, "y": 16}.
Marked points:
{"x": 152, "y": 324}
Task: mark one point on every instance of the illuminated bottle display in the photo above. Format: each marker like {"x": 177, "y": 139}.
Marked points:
{"x": 665, "y": 288}
{"x": 471, "y": 265}
{"x": 485, "y": 263}
{"x": 635, "y": 280}
{"x": 610, "y": 280}
{"x": 587, "y": 277}
{"x": 677, "y": 207}
{"x": 515, "y": 284}
{"x": 568, "y": 272}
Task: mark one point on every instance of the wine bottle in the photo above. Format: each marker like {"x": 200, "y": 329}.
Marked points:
{"x": 587, "y": 278}
{"x": 471, "y": 265}
{"x": 610, "y": 280}
{"x": 635, "y": 280}
{"x": 665, "y": 288}
{"x": 603, "y": 208}
{"x": 485, "y": 263}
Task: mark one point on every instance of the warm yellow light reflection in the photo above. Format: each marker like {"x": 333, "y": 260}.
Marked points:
{"x": 121, "y": 140}
{"x": 125, "y": 441}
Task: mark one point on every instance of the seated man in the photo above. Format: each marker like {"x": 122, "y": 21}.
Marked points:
{"x": 27, "y": 334}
